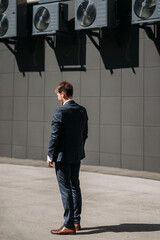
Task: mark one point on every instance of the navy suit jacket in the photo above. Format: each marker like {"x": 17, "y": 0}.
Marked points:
{"x": 69, "y": 133}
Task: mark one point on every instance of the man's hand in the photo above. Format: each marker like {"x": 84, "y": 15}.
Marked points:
{"x": 50, "y": 164}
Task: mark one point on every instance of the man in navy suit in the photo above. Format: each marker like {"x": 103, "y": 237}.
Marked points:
{"x": 66, "y": 149}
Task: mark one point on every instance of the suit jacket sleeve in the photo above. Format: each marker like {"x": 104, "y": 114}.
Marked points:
{"x": 85, "y": 133}
{"x": 56, "y": 132}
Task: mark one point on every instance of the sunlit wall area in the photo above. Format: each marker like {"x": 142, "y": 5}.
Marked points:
{"x": 123, "y": 106}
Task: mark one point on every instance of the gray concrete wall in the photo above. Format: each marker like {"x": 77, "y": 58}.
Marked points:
{"x": 123, "y": 108}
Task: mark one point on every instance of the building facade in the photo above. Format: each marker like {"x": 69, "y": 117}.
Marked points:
{"x": 123, "y": 108}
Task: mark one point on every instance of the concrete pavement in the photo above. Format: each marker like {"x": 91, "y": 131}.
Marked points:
{"x": 114, "y": 207}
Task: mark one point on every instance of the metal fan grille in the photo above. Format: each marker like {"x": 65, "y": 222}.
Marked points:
{"x": 42, "y": 19}
{"x": 3, "y": 24}
{"x": 144, "y": 8}
{"x": 3, "y": 5}
{"x": 86, "y": 13}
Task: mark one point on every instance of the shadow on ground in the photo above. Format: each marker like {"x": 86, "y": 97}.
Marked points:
{"x": 132, "y": 227}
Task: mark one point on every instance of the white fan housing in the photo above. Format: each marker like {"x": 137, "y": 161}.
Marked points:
{"x": 51, "y": 18}
{"x": 94, "y": 14}
{"x": 144, "y": 11}
{"x": 12, "y": 13}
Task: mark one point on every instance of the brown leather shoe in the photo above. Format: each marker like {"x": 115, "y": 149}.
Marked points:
{"x": 57, "y": 230}
{"x": 64, "y": 231}
{"x": 77, "y": 226}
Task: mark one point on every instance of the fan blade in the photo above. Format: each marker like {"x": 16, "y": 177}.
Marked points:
{"x": 42, "y": 19}
{"x": 3, "y": 24}
{"x": 3, "y": 5}
{"x": 86, "y": 13}
{"x": 144, "y": 8}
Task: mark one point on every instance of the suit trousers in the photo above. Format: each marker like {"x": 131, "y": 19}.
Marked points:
{"x": 69, "y": 185}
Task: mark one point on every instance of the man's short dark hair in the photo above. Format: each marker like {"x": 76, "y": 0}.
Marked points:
{"x": 65, "y": 87}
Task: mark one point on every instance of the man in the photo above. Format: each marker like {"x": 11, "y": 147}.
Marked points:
{"x": 66, "y": 149}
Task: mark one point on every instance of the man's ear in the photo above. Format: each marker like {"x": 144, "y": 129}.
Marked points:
{"x": 63, "y": 95}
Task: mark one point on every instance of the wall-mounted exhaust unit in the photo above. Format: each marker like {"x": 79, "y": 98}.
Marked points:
{"x": 49, "y": 18}
{"x": 94, "y": 14}
{"x": 145, "y": 11}
{"x": 13, "y": 18}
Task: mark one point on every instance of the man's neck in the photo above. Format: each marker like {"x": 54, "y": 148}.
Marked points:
{"x": 66, "y": 100}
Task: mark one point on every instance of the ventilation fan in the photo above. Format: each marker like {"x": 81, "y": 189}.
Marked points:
{"x": 3, "y": 24}
{"x": 94, "y": 13}
{"x": 49, "y": 18}
{"x": 86, "y": 13}
{"x": 145, "y": 11}
{"x": 42, "y": 19}
{"x": 3, "y": 5}
{"x": 12, "y": 18}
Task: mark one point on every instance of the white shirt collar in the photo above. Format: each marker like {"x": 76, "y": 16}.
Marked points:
{"x": 67, "y": 101}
